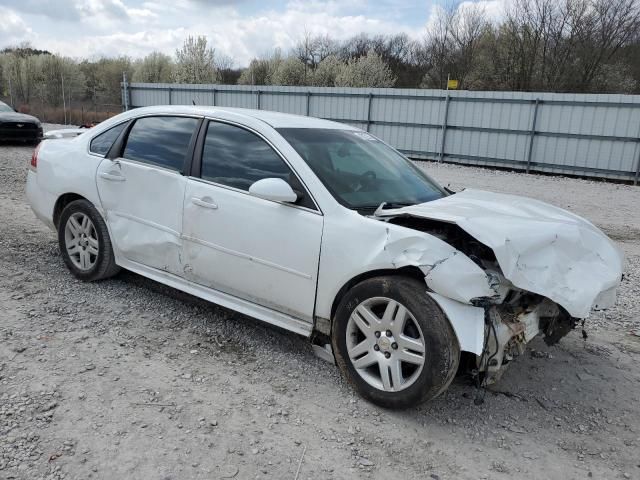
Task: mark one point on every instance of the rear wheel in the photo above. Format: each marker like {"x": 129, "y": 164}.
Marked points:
{"x": 394, "y": 344}
{"x": 84, "y": 242}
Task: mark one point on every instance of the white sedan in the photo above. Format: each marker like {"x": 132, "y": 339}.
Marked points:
{"x": 324, "y": 230}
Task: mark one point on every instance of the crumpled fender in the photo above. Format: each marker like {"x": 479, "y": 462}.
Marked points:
{"x": 448, "y": 271}
{"x": 452, "y": 278}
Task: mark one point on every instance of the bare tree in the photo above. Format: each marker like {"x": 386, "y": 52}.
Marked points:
{"x": 606, "y": 27}
{"x": 224, "y": 66}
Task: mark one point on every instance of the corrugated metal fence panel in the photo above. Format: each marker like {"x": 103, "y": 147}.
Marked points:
{"x": 592, "y": 135}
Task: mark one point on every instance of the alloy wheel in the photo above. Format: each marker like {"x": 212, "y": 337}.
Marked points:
{"x": 385, "y": 344}
{"x": 81, "y": 241}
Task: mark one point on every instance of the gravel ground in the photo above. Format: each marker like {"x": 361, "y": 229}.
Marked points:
{"x": 127, "y": 378}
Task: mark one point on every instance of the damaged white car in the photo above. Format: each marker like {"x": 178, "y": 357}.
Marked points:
{"x": 324, "y": 230}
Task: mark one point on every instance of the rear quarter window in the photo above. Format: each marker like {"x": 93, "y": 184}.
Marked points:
{"x": 102, "y": 143}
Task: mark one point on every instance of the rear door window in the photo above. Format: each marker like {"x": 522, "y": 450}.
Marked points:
{"x": 103, "y": 142}
{"x": 161, "y": 141}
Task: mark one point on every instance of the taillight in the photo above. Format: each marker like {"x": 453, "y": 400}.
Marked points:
{"x": 34, "y": 158}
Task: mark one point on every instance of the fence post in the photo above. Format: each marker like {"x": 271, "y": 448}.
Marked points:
{"x": 444, "y": 126}
{"x": 170, "y": 96}
{"x": 308, "y": 102}
{"x": 369, "y": 111}
{"x": 126, "y": 93}
{"x": 258, "y": 92}
{"x": 214, "y": 97}
{"x": 533, "y": 133}
{"x": 635, "y": 180}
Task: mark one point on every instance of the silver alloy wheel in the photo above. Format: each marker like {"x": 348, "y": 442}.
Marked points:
{"x": 385, "y": 344}
{"x": 81, "y": 240}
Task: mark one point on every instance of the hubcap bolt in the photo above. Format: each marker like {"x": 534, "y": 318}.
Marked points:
{"x": 394, "y": 345}
{"x": 388, "y": 333}
{"x": 376, "y": 347}
{"x": 377, "y": 334}
{"x": 387, "y": 354}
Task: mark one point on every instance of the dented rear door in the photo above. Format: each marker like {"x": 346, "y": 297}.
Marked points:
{"x": 142, "y": 191}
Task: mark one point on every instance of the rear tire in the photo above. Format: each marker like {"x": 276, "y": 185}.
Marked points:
{"x": 84, "y": 242}
{"x": 389, "y": 324}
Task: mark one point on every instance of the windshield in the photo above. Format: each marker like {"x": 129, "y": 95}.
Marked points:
{"x": 5, "y": 108}
{"x": 359, "y": 170}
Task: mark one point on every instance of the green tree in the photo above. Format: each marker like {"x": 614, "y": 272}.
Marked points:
{"x": 290, "y": 71}
{"x": 326, "y": 72}
{"x": 154, "y": 68}
{"x": 367, "y": 71}
{"x": 195, "y": 62}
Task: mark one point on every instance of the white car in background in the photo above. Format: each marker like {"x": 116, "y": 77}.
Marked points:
{"x": 324, "y": 230}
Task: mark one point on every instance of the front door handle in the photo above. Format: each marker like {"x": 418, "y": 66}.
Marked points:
{"x": 112, "y": 177}
{"x": 205, "y": 202}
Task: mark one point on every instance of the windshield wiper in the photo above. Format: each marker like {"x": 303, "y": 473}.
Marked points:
{"x": 388, "y": 205}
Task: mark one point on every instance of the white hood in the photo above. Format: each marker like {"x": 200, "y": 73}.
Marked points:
{"x": 540, "y": 248}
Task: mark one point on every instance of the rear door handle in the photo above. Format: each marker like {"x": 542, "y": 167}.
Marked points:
{"x": 205, "y": 202}
{"x": 112, "y": 177}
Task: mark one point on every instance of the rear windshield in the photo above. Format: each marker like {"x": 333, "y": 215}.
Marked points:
{"x": 361, "y": 171}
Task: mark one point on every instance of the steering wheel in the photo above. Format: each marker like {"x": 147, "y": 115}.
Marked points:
{"x": 364, "y": 180}
{"x": 369, "y": 176}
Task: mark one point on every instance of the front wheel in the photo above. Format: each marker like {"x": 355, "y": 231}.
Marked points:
{"x": 84, "y": 242}
{"x": 393, "y": 342}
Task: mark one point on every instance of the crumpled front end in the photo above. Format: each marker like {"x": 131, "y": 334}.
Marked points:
{"x": 520, "y": 268}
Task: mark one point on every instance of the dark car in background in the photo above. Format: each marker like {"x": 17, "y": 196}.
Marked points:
{"x": 18, "y": 127}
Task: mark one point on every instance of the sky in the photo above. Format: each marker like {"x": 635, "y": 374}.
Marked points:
{"x": 241, "y": 29}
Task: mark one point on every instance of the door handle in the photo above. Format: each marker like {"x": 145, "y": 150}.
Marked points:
{"x": 205, "y": 202}
{"x": 112, "y": 177}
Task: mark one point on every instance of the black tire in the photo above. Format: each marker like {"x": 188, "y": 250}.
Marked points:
{"x": 442, "y": 351}
{"x": 105, "y": 263}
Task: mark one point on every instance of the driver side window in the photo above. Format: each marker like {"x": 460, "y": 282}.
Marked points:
{"x": 235, "y": 157}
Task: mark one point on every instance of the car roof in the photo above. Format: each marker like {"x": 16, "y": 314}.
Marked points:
{"x": 274, "y": 119}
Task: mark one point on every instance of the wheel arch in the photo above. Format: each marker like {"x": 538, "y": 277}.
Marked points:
{"x": 62, "y": 201}
{"x": 467, "y": 321}
{"x": 407, "y": 271}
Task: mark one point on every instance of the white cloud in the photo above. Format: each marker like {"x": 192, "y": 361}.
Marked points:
{"x": 142, "y": 30}
{"x": 242, "y": 30}
{"x": 13, "y": 28}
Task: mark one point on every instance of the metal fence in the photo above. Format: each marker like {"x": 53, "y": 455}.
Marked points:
{"x": 578, "y": 134}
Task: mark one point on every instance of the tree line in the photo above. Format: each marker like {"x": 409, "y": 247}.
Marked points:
{"x": 538, "y": 45}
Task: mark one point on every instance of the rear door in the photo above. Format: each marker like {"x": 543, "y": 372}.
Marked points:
{"x": 142, "y": 190}
{"x": 259, "y": 250}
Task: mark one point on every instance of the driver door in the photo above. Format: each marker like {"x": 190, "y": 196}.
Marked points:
{"x": 263, "y": 251}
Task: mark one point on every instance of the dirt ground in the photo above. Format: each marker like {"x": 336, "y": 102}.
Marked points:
{"x": 127, "y": 378}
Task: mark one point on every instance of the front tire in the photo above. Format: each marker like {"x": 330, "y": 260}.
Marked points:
{"x": 84, "y": 242}
{"x": 393, "y": 342}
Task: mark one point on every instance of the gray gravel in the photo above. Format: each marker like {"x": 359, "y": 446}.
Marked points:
{"x": 127, "y": 378}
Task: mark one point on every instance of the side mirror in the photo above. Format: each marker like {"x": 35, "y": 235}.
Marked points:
{"x": 274, "y": 189}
